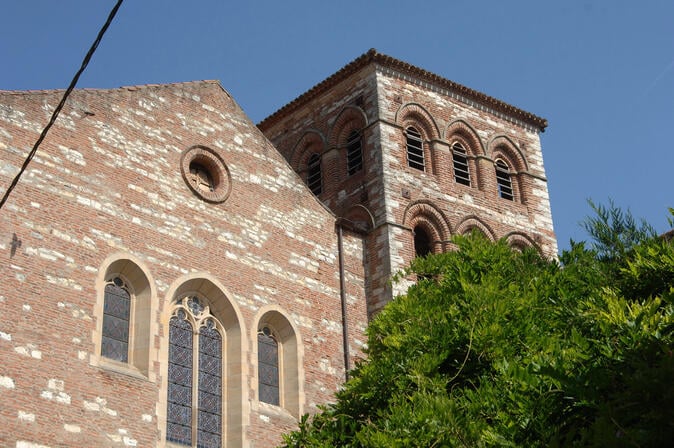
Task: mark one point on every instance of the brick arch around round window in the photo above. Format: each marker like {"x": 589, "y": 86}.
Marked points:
{"x": 520, "y": 241}
{"x": 431, "y": 219}
{"x": 470, "y": 223}
{"x": 216, "y": 305}
{"x": 131, "y": 275}
{"x": 272, "y": 322}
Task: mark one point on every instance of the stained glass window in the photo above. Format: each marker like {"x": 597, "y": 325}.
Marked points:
{"x": 194, "y": 398}
{"x": 268, "y": 367}
{"x": 116, "y": 314}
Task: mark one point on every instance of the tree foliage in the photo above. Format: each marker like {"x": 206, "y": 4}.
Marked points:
{"x": 495, "y": 347}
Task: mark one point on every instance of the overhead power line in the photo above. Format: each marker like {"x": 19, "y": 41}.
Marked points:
{"x": 76, "y": 78}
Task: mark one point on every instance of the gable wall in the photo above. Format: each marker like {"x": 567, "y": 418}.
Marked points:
{"x": 106, "y": 184}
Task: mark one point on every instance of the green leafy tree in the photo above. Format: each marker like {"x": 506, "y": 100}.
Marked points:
{"x": 495, "y": 347}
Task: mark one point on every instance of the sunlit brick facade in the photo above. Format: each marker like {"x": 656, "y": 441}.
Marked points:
{"x": 169, "y": 279}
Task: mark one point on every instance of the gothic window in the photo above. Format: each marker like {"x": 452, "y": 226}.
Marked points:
{"x": 314, "y": 175}
{"x": 503, "y": 180}
{"x": 460, "y": 159}
{"x": 422, "y": 242}
{"x": 354, "y": 153}
{"x": 415, "y": 148}
{"x": 116, "y": 319}
{"x": 268, "y": 367}
{"x": 194, "y": 396}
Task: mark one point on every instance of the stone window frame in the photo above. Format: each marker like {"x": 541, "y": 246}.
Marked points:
{"x": 216, "y": 171}
{"x": 416, "y": 116}
{"x": 198, "y": 318}
{"x": 290, "y": 354}
{"x": 139, "y": 284}
{"x": 234, "y": 374}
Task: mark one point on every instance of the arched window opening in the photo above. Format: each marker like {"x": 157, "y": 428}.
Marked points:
{"x": 194, "y": 395}
{"x": 461, "y": 171}
{"x": 354, "y": 153}
{"x": 422, "y": 242}
{"x": 200, "y": 177}
{"x": 415, "y": 149}
{"x": 116, "y": 320}
{"x": 505, "y": 186}
{"x": 314, "y": 176}
{"x": 268, "y": 367}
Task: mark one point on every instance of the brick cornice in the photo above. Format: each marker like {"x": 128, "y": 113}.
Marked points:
{"x": 404, "y": 68}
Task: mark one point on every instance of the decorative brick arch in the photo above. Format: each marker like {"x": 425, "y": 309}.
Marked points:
{"x": 290, "y": 357}
{"x": 464, "y": 132}
{"x": 359, "y": 217}
{"x": 311, "y": 142}
{"x": 503, "y": 146}
{"x": 470, "y": 223}
{"x": 417, "y": 141}
{"x": 429, "y": 217}
{"x": 230, "y": 325}
{"x": 520, "y": 241}
{"x": 413, "y": 114}
{"x": 141, "y": 326}
{"x": 349, "y": 118}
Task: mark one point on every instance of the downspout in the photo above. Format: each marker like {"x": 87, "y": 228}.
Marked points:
{"x": 342, "y": 296}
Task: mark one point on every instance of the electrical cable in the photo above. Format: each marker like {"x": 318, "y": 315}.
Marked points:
{"x": 71, "y": 87}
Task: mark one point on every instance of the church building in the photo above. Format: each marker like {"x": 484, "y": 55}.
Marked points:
{"x": 174, "y": 275}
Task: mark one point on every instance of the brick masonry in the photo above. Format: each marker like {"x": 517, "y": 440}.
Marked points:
{"x": 107, "y": 194}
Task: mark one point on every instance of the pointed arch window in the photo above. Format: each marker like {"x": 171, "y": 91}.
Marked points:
{"x": 460, "y": 159}
{"x": 504, "y": 181}
{"x": 415, "y": 149}
{"x": 314, "y": 175}
{"x": 116, "y": 320}
{"x": 354, "y": 152}
{"x": 195, "y": 380}
{"x": 268, "y": 367}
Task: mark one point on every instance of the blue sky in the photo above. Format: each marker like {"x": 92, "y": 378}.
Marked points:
{"x": 601, "y": 72}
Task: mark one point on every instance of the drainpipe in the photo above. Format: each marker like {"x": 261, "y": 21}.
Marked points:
{"x": 342, "y": 296}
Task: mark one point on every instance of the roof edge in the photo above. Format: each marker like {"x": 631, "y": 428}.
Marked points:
{"x": 372, "y": 56}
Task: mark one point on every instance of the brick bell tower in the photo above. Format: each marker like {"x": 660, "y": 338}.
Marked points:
{"x": 407, "y": 159}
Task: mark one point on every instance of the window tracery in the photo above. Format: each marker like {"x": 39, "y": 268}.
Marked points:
{"x": 194, "y": 395}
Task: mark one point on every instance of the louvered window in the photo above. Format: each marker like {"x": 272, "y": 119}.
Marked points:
{"x": 461, "y": 171}
{"x": 116, "y": 318}
{"x": 354, "y": 153}
{"x": 314, "y": 175}
{"x": 268, "y": 367}
{"x": 194, "y": 397}
{"x": 415, "y": 149}
{"x": 505, "y": 186}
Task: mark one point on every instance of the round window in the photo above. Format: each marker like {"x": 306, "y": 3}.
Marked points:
{"x": 206, "y": 174}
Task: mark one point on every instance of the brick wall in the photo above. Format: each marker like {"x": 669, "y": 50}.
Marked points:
{"x": 105, "y": 186}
